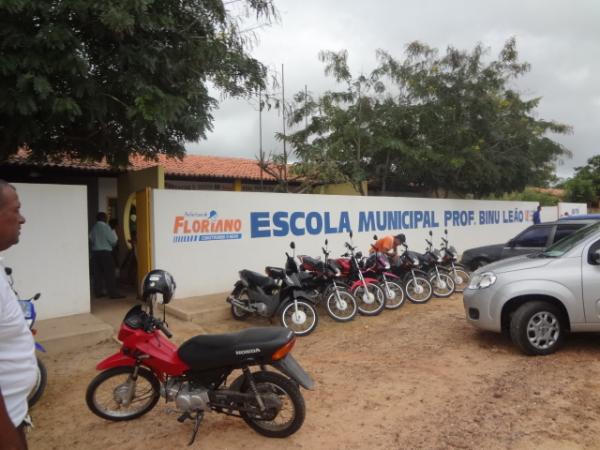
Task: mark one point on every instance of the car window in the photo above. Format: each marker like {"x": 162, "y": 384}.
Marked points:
{"x": 562, "y": 231}
{"x": 533, "y": 237}
{"x": 566, "y": 244}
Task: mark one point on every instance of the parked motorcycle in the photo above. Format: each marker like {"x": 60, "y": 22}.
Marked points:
{"x": 279, "y": 294}
{"x": 378, "y": 265}
{"x": 459, "y": 273}
{"x": 30, "y": 315}
{"x": 194, "y": 376}
{"x": 323, "y": 277}
{"x": 369, "y": 296}
{"x": 416, "y": 282}
{"x": 440, "y": 279}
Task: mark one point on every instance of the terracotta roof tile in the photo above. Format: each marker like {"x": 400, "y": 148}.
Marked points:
{"x": 189, "y": 166}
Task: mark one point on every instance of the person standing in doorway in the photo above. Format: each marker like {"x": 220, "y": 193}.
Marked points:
{"x": 103, "y": 239}
{"x": 18, "y": 366}
{"x": 536, "y": 215}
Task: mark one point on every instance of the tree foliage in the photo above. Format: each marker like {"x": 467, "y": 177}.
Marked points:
{"x": 430, "y": 122}
{"x": 584, "y": 186}
{"x": 93, "y": 79}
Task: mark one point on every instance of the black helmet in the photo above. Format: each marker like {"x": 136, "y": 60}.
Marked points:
{"x": 401, "y": 238}
{"x": 158, "y": 282}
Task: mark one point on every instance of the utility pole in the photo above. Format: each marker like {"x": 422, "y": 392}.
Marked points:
{"x": 283, "y": 115}
{"x": 260, "y": 146}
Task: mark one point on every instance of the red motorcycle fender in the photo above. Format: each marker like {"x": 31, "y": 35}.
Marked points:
{"x": 358, "y": 283}
{"x": 116, "y": 360}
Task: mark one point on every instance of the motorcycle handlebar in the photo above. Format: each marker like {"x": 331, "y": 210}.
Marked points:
{"x": 162, "y": 327}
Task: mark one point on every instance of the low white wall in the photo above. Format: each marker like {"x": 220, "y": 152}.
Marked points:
{"x": 204, "y": 250}
{"x": 52, "y": 254}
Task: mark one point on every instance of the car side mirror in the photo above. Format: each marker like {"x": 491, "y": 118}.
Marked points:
{"x": 595, "y": 257}
{"x": 511, "y": 243}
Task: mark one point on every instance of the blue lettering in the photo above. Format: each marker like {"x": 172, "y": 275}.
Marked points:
{"x": 328, "y": 228}
{"x": 344, "y": 222}
{"x": 259, "y": 224}
{"x": 366, "y": 221}
{"x": 418, "y": 218}
{"x": 296, "y": 231}
{"x": 393, "y": 220}
{"x": 381, "y": 219}
{"x": 280, "y": 223}
{"x": 311, "y": 227}
{"x": 406, "y": 215}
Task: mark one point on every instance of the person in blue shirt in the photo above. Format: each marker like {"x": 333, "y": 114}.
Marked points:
{"x": 103, "y": 239}
{"x": 536, "y": 215}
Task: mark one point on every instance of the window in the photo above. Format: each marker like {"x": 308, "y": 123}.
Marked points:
{"x": 533, "y": 237}
{"x": 562, "y": 231}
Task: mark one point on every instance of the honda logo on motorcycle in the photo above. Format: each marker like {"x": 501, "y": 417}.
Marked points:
{"x": 250, "y": 351}
{"x": 195, "y": 226}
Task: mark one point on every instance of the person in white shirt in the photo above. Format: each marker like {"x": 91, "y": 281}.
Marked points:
{"x": 18, "y": 368}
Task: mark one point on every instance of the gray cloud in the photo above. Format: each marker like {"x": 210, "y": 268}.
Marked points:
{"x": 559, "y": 39}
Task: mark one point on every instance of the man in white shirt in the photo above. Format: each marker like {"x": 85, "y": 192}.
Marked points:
{"x": 18, "y": 368}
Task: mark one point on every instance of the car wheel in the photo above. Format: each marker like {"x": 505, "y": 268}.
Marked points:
{"x": 537, "y": 328}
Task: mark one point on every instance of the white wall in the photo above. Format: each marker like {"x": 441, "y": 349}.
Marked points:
{"x": 572, "y": 209}
{"x": 203, "y": 266}
{"x": 107, "y": 188}
{"x": 52, "y": 254}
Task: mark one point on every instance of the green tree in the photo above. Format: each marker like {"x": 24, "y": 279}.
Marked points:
{"x": 91, "y": 79}
{"x": 584, "y": 186}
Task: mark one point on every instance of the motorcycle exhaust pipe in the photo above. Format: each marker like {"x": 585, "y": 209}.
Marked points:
{"x": 235, "y": 302}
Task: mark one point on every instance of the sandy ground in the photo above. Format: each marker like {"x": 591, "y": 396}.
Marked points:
{"x": 418, "y": 377}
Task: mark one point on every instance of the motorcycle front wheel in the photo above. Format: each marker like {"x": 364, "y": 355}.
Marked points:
{"x": 418, "y": 290}
{"x": 341, "y": 306}
{"x": 442, "y": 284}
{"x": 370, "y": 299}
{"x": 301, "y": 320}
{"x": 40, "y": 384}
{"x": 284, "y": 405}
{"x": 394, "y": 294}
{"x": 117, "y": 395}
{"x": 461, "y": 278}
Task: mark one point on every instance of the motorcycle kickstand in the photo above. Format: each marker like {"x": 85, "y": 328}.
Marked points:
{"x": 197, "y": 419}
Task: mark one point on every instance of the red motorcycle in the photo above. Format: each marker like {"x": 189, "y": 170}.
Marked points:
{"x": 378, "y": 266}
{"x": 194, "y": 375}
{"x": 369, "y": 296}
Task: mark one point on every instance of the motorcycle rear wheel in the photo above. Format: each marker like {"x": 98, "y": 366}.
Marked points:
{"x": 115, "y": 385}
{"x": 239, "y": 313}
{"x": 267, "y": 423}
{"x": 370, "y": 300}
{"x": 342, "y": 308}
{"x": 40, "y": 384}
{"x": 303, "y": 321}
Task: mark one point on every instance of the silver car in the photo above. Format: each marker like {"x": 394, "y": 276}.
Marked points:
{"x": 538, "y": 298}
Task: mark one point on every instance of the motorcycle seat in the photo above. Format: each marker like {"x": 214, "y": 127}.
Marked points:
{"x": 257, "y": 279}
{"x": 232, "y": 349}
{"x": 312, "y": 263}
{"x": 275, "y": 272}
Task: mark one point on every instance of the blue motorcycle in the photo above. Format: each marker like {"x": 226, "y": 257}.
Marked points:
{"x": 29, "y": 313}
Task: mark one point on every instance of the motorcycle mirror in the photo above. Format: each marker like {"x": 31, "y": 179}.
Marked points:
{"x": 8, "y": 271}
{"x": 36, "y": 296}
{"x": 446, "y": 231}
{"x": 292, "y": 245}
{"x": 430, "y": 233}
{"x": 374, "y": 237}
{"x": 351, "y": 234}
{"x": 326, "y": 242}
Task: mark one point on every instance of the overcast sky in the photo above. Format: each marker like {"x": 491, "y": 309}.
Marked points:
{"x": 559, "y": 38}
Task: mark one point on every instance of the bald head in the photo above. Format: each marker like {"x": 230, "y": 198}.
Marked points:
{"x": 10, "y": 216}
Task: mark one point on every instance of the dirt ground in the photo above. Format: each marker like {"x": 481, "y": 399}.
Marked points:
{"x": 418, "y": 377}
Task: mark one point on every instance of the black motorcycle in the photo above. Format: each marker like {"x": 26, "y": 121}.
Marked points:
{"x": 440, "y": 279}
{"x": 279, "y": 294}
{"x": 416, "y": 282}
{"x": 322, "y": 276}
{"x": 459, "y": 273}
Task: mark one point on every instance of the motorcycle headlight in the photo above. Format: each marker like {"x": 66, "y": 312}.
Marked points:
{"x": 482, "y": 281}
